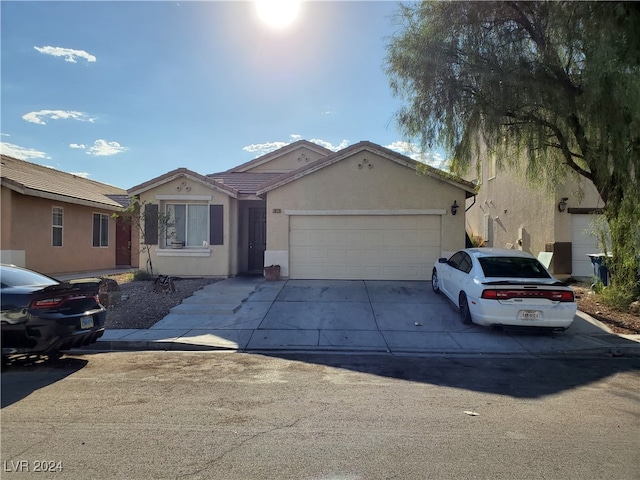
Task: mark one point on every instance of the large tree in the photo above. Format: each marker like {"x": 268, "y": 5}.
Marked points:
{"x": 551, "y": 85}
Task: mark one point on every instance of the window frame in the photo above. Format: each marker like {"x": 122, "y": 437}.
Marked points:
{"x": 54, "y": 226}
{"x": 185, "y": 244}
{"x": 103, "y": 234}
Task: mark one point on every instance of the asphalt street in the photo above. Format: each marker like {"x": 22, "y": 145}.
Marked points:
{"x": 210, "y": 415}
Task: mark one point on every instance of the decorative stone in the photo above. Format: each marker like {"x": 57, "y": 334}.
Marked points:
{"x": 109, "y": 292}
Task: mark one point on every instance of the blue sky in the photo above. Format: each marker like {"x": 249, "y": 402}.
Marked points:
{"x": 122, "y": 92}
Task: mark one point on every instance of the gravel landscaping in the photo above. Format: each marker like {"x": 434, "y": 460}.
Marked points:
{"x": 141, "y": 306}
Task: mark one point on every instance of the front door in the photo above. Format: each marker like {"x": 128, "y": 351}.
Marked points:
{"x": 257, "y": 238}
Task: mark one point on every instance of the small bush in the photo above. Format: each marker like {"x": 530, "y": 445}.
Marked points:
{"x": 142, "y": 275}
{"x": 617, "y": 297}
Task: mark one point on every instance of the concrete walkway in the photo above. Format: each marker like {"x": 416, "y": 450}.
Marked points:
{"x": 250, "y": 315}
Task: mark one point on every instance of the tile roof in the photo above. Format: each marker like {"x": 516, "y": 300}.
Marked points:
{"x": 245, "y": 183}
{"x": 36, "y": 180}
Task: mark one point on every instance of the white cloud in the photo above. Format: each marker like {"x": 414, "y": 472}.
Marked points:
{"x": 79, "y": 146}
{"x": 263, "y": 148}
{"x": 40, "y": 116}
{"x": 102, "y": 148}
{"x": 69, "y": 54}
{"x": 413, "y": 151}
{"x": 19, "y": 152}
{"x": 80, "y": 174}
{"x": 329, "y": 145}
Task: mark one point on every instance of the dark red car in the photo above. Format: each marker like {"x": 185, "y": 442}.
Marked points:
{"x": 42, "y": 315}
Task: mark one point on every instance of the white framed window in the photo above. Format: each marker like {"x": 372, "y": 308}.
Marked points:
{"x": 57, "y": 220}
{"x": 100, "y": 230}
{"x": 188, "y": 224}
{"x": 491, "y": 167}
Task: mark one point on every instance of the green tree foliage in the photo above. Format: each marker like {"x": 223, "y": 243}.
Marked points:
{"x": 551, "y": 86}
{"x": 136, "y": 216}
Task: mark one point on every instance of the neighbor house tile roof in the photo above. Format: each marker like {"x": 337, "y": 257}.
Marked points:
{"x": 36, "y": 180}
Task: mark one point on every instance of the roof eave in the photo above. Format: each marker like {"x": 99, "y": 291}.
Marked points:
{"x": 183, "y": 173}
{"x": 19, "y": 188}
{"x": 386, "y": 153}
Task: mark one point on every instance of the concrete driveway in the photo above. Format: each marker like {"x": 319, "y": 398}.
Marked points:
{"x": 249, "y": 314}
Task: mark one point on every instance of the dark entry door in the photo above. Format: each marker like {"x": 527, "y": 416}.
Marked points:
{"x": 257, "y": 238}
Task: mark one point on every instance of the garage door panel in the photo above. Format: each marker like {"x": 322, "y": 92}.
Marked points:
{"x": 583, "y": 242}
{"x": 364, "y": 247}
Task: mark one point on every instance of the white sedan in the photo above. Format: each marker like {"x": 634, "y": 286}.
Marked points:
{"x": 501, "y": 287}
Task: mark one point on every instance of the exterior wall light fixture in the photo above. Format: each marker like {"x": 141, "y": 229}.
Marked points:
{"x": 454, "y": 207}
{"x": 562, "y": 204}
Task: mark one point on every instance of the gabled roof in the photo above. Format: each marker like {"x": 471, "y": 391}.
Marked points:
{"x": 244, "y": 183}
{"x": 35, "y": 180}
{"x": 279, "y": 152}
{"x": 183, "y": 173}
{"x": 374, "y": 148}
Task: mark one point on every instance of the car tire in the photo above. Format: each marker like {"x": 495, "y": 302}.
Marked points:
{"x": 465, "y": 314}
{"x": 434, "y": 281}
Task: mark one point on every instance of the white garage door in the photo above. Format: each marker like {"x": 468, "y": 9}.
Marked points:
{"x": 363, "y": 247}
{"x": 583, "y": 243}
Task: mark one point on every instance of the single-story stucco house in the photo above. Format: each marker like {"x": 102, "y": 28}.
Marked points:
{"x": 364, "y": 212}
{"x": 56, "y": 222}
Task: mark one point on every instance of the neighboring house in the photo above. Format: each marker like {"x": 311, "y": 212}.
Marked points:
{"x": 364, "y": 212}
{"x": 56, "y": 222}
{"x": 510, "y": 212}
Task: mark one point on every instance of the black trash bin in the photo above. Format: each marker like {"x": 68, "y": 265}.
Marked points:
{"x": 600, "y": 270}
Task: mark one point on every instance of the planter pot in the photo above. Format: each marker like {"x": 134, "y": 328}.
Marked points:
{"x": 272, "y": 273}
{"x": 176, "y": 245}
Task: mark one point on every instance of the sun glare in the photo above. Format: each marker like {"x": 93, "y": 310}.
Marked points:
{"x": 277, "y": 13}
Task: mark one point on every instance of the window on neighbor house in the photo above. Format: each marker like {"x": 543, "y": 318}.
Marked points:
{"x": 56, "y": 227}
{"x": 188, "y": 224}
{"x": 491, "y": 167}
{"x": 100, "y": 230}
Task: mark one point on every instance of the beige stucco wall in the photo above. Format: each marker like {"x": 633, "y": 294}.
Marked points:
{"x": 520, "y": 211}
{"x": 27, "y": 228}
{"x": 210, "y": 260}
{"x": 385, "y": 186}
{"x": 581, "y": 193}
{"x": 289, "y": 161}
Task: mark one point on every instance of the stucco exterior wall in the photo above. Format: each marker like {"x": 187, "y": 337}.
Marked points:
{"x": 511, "y": 212}
{"x": 28, "y": 228}
{"x": 364, "y": 181}
{"x": 209, "y": 260}
{"x": 288, "y": 162}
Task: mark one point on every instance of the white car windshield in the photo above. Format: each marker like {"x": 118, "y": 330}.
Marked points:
{"x": 512, "y": 267}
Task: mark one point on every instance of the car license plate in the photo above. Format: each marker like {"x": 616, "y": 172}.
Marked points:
{"x": 86, "y": 322}
{"x": 529, "y": 315}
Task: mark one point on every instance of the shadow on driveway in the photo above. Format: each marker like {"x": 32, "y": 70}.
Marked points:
{"x": 513, "y": 377}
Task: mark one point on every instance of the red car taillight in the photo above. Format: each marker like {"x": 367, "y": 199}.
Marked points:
{"x": 55, "y": 302}
{"x": 554, "y": 295}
